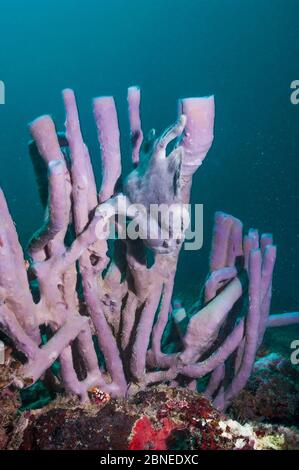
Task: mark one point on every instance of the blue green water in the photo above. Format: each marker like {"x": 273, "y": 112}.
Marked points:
{"x": 244, "y": 52}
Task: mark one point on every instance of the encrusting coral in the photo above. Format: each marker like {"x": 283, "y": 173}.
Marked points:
{"x": 103, "y": 317}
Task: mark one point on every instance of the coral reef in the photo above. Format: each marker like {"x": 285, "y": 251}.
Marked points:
{"x": 159, "y": 418}
{"x": 9, "y": 399}
{"x": 100, "y": 319}
{"x": 271, "y": 394}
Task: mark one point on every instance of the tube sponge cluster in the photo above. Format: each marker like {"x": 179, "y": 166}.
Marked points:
{"x": 84, "y": 301}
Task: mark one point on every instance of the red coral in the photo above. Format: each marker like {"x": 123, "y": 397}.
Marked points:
{"x": 145, "y": 436}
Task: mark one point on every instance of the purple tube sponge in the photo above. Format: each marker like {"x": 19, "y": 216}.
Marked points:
{"x": 120, "y": 301}
{"x": 135, "y": 122}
